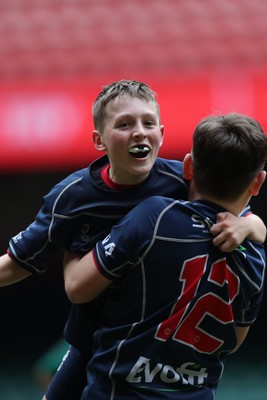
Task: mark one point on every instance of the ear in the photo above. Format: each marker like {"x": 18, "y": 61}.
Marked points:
{"x": 97, "y": 140}
{"x": 162, "y": 129}
{"x": 188, "y": 167}
{"x": 257, "y": 183}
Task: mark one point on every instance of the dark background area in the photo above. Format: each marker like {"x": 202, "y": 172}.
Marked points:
{"x": 33, "y": 311}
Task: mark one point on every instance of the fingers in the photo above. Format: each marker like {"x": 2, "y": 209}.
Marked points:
{"x": 222, "y": 216}
{"x": 224, "y": 244}
{"x": 225, "y": 232}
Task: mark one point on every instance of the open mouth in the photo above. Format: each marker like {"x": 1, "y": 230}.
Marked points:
{"x": 140, "y": 151}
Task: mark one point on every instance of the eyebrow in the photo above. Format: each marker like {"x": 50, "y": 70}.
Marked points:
{"x": 128, "y": 115}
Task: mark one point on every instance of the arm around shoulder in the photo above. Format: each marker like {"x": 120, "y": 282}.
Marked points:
{"x": 83, "y": 281}
{"x": 230, "y": 231}
{"x": 10, "y": 271}
{"x": 257, "y": 229}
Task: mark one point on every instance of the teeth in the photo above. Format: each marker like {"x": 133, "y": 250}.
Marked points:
{"x": 137, "y": 149}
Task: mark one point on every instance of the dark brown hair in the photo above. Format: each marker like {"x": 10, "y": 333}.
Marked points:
{"x": 120, "y": 88}
{"x": 228, "y": 152}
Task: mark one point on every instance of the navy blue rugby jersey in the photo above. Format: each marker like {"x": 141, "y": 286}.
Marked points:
{"x": 79, "y": 211}
{"x": 178, "y": 300}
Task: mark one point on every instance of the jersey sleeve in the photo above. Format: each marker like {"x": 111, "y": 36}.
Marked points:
{"x": 35, "y": 247}
{"x": 128, "y": 241}
{"x": 32, "y": 247}
{"x": 251, "y": 261}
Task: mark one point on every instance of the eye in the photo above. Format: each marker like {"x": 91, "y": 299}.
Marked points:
{"x": 124, "y": 124}
{"x": 149, "y": 123}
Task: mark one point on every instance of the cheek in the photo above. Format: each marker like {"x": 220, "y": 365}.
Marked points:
{"x": 110, "y": 141}
{"x": 118, "y": 142}
{"x": 157, "y": 143}
{"x": 157, "y": 138}
{"x": 116, "y": 149}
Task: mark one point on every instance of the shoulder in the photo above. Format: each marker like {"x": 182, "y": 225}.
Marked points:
{"x": 80, "y": 179}
{"x": 119, "y": 249}
{"x": 69, "y": 194}
{"x": 148, "y": 211}
{"x": 78, "y": 191}
{"x": 155, "y": 202}
{"x": 71, "y": 182}
{"x": 250, "y": 260}
{"x": 171, "y": 170}
{"x": 174, "y": 166}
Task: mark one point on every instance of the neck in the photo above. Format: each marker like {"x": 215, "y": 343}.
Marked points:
{"x": 234, "y": 207}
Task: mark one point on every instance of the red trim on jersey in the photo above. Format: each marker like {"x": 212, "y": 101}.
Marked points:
{"x": 95, "y": 261}
{"x": 10, "y": 255}
{"x": 113, "y": 185}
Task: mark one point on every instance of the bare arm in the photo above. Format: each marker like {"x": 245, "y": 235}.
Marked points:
{"x": 231, "y": 231}
{"x": 83, "y": 281}
{"x": 241, "y": 333}
{"x": 10, "y": 271}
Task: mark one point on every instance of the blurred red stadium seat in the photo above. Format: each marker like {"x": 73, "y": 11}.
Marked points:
{"x": 159, "y": 36}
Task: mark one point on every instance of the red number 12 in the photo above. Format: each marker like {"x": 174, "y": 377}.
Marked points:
{"x": 187, "y": 329}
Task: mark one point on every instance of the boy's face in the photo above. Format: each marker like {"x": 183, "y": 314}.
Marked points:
{"x": 131, "y": 137}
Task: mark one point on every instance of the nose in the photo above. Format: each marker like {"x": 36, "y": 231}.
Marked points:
{"x": 139, "y": 131}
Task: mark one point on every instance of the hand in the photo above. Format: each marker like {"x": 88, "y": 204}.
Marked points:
{"x": 229, "y": 231}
